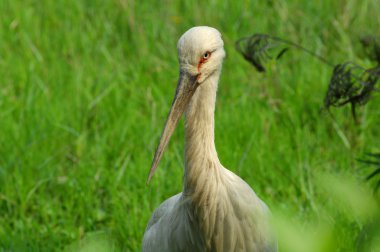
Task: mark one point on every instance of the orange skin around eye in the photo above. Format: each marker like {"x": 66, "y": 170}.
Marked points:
{"x": 201, "y": 61}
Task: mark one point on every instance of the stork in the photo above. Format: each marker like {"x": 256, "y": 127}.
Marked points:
{"x": 217, "y": 210}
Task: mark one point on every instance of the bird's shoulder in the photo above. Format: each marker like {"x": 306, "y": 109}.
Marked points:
{"x": 163, "y": 209}
{"x": 248, "y": 214}
{"x": 241, "y": 190}
{"x": 172, "y": 228}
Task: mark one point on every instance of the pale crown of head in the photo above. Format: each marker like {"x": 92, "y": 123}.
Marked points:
{"x": 199, "y": 42}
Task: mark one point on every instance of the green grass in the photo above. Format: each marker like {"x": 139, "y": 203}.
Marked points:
{"x": 85, "y": 87}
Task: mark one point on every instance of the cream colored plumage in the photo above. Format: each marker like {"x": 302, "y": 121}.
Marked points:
{"x": 217, "y": 210}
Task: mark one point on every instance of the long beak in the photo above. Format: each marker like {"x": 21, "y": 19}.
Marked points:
{"x": 185, "y": 90}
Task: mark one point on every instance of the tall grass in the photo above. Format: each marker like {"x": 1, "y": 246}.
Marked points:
{"x": 85, "y": 87}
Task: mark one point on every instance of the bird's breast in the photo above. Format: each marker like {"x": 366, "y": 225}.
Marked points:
{"x": 228, "y": 213}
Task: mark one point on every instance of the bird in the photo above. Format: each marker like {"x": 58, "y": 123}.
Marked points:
{"x": 217, "y": 210}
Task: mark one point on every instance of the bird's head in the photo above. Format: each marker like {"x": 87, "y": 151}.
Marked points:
{"x": 200, "y": 55}
{"x": 200, "y": 52}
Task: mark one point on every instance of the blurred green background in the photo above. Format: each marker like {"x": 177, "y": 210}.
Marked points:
{"x": 85, "y": 88}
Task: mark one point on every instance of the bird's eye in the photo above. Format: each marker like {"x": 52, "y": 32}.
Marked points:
{"x": 206, "y": 55}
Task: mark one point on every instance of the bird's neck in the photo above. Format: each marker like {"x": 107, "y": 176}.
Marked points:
{"x": 200, "y": 154}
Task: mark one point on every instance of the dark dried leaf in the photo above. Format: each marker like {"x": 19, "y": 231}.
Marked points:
{"x": 282, "y": 53}
{"x": 373, "y": 174}
{"x": 373, "y": 161}
{"x": 371, "y": 45}
{"x": 349, "y": 83}
{"x": 352, "y": 84}
{"x": 258, "y": 49}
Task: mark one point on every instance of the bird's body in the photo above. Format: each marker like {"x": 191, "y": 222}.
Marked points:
{"x": 217, "y": 210}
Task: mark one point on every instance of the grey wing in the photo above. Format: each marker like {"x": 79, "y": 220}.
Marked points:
{"x": 156, "y": 233}
{"x": 171, "y": 229}
{"x": 246, "y": 203}
{"x": 273, "y": 243}
{"x": 165, "y": 206}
